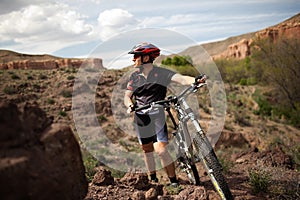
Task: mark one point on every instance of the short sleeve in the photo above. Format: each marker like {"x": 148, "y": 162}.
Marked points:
{"x": 167, "y": 75}
{"x": 130, "y": 83}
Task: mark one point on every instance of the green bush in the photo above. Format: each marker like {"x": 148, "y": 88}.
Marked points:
{"x": 259, "y": 180}
{"x": 10, "y": 90}
{"x": 42, "y": 77}
{"x": 30, "y": 77}
{"x": 265, "y": 108}
{"x": 243, "y": 81}
{"x": 71, "y": 77}
{"x": 66, "y": 93}
{"x": 181, "y": 64}
{"x": 15, "y": 77}
{"x": 50, "y": 101}
{"x": 62, "y": 113}
{"x": 89, "y": 163}
{"x": 102, "y": 118}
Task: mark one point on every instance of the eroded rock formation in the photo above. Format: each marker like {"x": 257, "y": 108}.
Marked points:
{"x": 51, "y": 64}
{"x": 38, "y": 159}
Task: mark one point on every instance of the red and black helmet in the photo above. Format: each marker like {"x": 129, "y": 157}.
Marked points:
{"x": 145, "y": 49}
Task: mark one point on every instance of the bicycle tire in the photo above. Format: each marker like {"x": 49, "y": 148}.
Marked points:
{"x": 213, "y": 167}
{"x": 195, "y": 174}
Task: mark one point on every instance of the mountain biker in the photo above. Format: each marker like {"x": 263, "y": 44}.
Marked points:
{"x": 148, "y": 84}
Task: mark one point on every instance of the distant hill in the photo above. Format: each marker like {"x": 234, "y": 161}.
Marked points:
{"x": 14, "y": 60}
{"x": 8, "y": 56}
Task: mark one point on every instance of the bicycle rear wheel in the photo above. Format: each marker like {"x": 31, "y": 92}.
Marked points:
{"x": 186, "y": 159}
{"x": 190, "y": 169}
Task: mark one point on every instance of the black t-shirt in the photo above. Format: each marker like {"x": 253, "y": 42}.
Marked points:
{"x": 154, "y": 88}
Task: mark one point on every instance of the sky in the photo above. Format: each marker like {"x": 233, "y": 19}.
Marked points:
{"x": 74, "y": 28}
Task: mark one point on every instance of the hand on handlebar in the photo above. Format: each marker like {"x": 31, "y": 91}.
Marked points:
{"x": 131, "y": 109}
{"x": 200, "y": 79}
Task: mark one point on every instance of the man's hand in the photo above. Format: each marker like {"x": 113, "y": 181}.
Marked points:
{"x": 201, "y": 78}
{"x": 130, "y": 108}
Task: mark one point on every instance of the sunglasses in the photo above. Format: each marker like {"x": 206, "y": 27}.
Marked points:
{"x": 135, "y": 56}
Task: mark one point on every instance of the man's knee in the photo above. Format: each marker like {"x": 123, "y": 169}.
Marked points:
{"x": 160, "y": 149}
{"x": 147, "y": 148}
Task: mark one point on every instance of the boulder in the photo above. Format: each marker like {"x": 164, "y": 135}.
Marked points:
{"x": 38, "y": 159}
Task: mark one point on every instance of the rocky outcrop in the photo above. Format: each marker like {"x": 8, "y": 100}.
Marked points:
{"x": 241, "y": 49}
{"x": 288, "y": 29}
{"x": 38, "y": 159}
{"x": 51, "y": 64}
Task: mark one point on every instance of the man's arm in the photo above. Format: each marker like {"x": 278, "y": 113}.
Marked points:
{"x": 183, "y": 80}
{"x": 127, "y": 101}
{"x": 127, "y": 98}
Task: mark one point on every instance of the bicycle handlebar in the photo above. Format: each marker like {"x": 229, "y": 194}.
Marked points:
{"x": 171, "y": 99}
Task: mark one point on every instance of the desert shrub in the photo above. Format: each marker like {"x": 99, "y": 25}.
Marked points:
{"x": 102, "y": 118}
{"x": 243, "y": 81}
{"x": 173, "y": 190}
{"x": 89, "y": 163}
{"x": 226, "y": 164}
{"x": 71, "y": 70}
{"x": 62, "y": 113}
{"x": 15, "y": 77}
{"x": 50, "y": 101}
{"x": 251, "y": 81}
{"x": 42, "y": 77}
{"x": 247, "y": 81}
{"x": 294, "y": 151}
{"x": 265, "y": 108}
{"x": 259, "y": 180}
{"x": 71, "y": 77}
{"x": 66, "y": 93}
{"x": 116, "y": 173}
{"x": 30, "y": 77}
{"x": 10, "y": 90}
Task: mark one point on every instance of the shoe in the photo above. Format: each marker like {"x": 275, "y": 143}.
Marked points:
{"x": 154, "y": 180}
{"x": 174, "y": 185}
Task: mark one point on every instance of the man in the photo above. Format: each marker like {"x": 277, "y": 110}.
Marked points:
{"x": 148, "y": 84}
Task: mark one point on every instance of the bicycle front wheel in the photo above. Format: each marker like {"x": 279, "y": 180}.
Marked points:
{"x": 212, "y": 166}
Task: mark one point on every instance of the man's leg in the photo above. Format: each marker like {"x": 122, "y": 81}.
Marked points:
{"x": 148, "y": 150}
{"x": 166, "y": 160}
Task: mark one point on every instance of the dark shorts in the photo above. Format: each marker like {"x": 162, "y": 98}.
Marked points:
{"x": 151, "y": 127}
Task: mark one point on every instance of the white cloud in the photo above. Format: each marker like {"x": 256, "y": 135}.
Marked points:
{"x": 42, "y": 24}
{"x": 114, "y": 21}
{"x": 8, "y": 6}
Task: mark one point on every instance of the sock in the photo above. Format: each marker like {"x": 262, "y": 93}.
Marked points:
{"x": 173, "y": 179}
{"x": 153, "y": 176}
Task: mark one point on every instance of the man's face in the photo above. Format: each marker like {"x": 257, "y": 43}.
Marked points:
{"x": 137, "y": 59}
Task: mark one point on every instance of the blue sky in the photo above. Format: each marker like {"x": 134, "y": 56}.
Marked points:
{"x": 73, "y": 28}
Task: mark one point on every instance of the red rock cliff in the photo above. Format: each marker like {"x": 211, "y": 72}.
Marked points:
{"x": 287, "y": 29}
{"x": 50, "y": 63}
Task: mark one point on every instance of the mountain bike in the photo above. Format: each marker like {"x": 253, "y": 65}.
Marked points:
{"x": 191, "y": 147}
